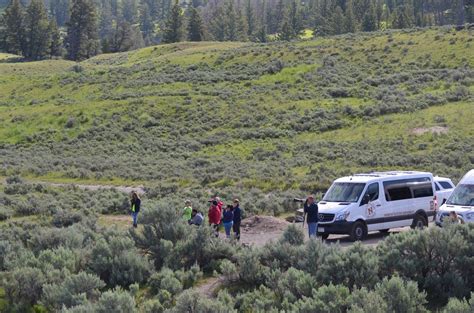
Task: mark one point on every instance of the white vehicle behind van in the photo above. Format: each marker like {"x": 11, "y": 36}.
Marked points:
{"x": 444, "y": 187}
{"x": 461, "y": 201}
{"x": 379, "y": 201}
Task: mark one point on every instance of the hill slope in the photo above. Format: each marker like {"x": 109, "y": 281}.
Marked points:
{"x": 269, "y": 116}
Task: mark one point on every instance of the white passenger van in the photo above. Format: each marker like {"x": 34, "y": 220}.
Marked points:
{"x": 461, "y": 201}
{"x": 358, "y": 204}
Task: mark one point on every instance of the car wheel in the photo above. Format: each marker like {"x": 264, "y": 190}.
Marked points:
{"x": 419, "y": 222}
{"x": 324, "y": 236}
{"x": 358, "y": 232}
{"x": 384, "y": 231}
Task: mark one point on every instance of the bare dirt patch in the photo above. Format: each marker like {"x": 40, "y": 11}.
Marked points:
{"x": 434, "y": 130}
{"x": 260, "y": 229}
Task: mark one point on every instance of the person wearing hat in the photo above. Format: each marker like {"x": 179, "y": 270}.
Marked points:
{"x": 311, "y": 212}
{"x": 237, "y": 218}
{"x": 187, "y": 211}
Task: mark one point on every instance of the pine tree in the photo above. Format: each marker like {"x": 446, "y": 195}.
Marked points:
{"x": 13, "y": 18}
{"x": 249, "y": 19}
{"x": 37, "y": 35}
{"x": 129, "y": 10}
{"x": 350, "y": 23}
{"x": 105, "y": 21}
{"x": 242, "y": 29}
{"x": 195, "y": 27}
{"x": 218, "y": 24}
{"x": 231, "y": 20}
{"x": 55, "y": 48}
{"x": 147, "y": 26}
{"x": 174, "y": 25}
{"x": 369, "y": 23}
{"x": 336, "y": 25}
{"x": 295, "y": 18}
{"x": 82, "y": 38}
{"x": 286, "y": 30}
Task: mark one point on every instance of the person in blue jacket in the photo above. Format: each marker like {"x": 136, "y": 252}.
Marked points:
{"x": 237, "y": 218}
{"x": 228, "y": 220}
{"x": 311, "y": 212}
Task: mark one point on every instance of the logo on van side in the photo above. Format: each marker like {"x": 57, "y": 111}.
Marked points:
{"x": 370, "y": 210}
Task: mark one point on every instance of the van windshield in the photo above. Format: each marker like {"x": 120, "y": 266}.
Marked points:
{"x": 462, "y": 195}
{"x": 344, "y": 192}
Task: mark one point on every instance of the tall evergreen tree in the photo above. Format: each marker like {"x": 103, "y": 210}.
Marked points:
{"x": 350, "y": 23}
{"x": 249, "y": 18}
{"x": 232, "y": 22}
{"x": 336, "y": 24}
{"x": 195, "y": 26}
{"x": 147, "y": 27}
{"x": 218, "y": 24}
{"x": 129, "y": 11}
{"x": 82, "y": 40}
{"x": 241, "y": 26}
{"x": 173, "y": 31}
{"x": 38, "y": 37}
{"x": 295, "y": 18}
{"x": 14, "y": 18}
{"x": 369, "y": 23}
{"x": 55, "y": 48}
{"x": 286, "y": 30}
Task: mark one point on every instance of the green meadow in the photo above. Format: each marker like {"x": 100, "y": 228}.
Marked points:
{"x": 276, "y": 116}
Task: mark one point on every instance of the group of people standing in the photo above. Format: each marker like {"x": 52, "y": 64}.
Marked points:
{"x": 230, "y": 216}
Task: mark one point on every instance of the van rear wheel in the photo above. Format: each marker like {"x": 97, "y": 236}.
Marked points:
{"x": 358, "y": 231}
{"x": 419, "y": 222}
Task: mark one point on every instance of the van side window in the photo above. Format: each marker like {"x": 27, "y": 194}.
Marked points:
{"x": 373, "y": 191}
{"x": 445, "y": 185}
{"x": 437, "y": 187}
{"x": 400, "y": 193}
{"x": 408, "y": 188}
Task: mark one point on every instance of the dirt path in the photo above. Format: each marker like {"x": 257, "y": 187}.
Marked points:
{"x": 125, "y": 189}
{"x": 209, "y": 286}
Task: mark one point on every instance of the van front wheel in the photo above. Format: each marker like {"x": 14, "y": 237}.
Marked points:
{"x": 419, "y": 222}
{"x": 358, "y": 232}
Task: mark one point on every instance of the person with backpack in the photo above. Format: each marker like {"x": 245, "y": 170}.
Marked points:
{"x": 228, "y": 220}
{"x": 135, "y": 203}
{"x": 311, "y": 212}
{"x": 214, "y": 216}
{"x": 237, "y": 218}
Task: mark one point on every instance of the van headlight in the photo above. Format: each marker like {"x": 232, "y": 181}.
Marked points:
{"x": 342, "y": 216}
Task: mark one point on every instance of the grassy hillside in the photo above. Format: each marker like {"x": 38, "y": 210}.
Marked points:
{"x": 277, "y": 116}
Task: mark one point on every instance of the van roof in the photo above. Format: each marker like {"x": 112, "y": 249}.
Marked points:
{"x": 366, "y": 177}
{"x": 468, "y": 178}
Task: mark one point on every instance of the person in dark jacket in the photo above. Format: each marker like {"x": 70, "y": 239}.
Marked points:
{"x": 228, "y": 220}
{"x": 135, "y": 207}
{"x": 237, "y": 218}
{"x": 311, "y": 212}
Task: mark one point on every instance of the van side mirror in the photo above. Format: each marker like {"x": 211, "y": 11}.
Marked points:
{"x": 365, "y": 199}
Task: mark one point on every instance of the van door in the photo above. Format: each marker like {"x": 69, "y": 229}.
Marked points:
{"x": 373, "y": 208}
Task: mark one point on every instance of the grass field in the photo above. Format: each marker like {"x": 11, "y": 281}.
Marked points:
{"x": 271, "y": 116}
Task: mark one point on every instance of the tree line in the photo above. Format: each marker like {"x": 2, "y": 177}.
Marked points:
{"x": 78, "y": 29}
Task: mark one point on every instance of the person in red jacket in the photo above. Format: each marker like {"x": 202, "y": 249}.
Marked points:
{"x": 214, "y": 215}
